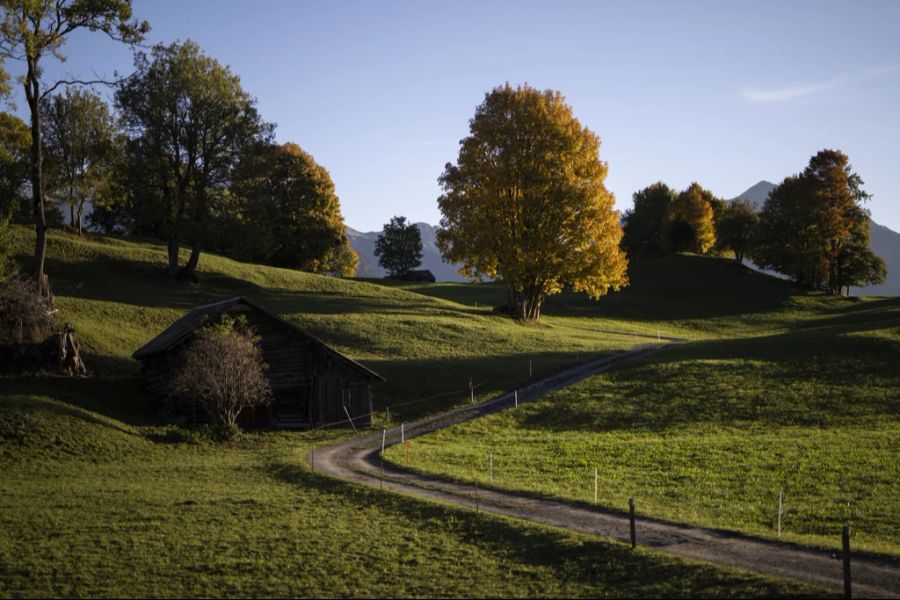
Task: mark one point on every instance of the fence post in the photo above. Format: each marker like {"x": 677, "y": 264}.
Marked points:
{"x": 631, "y": 518}
{"x": 383, "y": 437}
{"x": 845, "y": 542}
{"x": 491, "y": 460}
{"x": 529, "y": 368}
{"x": 516, "y": 393}
{"x": 402, "y": 434}
{"x": 471, "y": 391}
{"x": 476, "y": 497}
{"x": 780, "y": 493}
{"x": 596, "y": 485}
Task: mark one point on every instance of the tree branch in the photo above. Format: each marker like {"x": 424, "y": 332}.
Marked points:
{"x": 61, "y": 82}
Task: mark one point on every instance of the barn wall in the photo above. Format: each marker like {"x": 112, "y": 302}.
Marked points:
{"x": 308, "y": 382}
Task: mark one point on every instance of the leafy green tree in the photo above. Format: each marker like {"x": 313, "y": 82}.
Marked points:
{"x": 690, "y": 221}
{"x": 643, "y": 223}
{"x": 79, "y": 134}
{"x": 526, "y": 202}
{"x": 188, "y": 120}
{"x": 15, "y": 145}
{"x": 814, "y": 228}
{"x": 29, "y": 31}
{"x": 289, "y": 214}
{"x": 399, "y": 247}
{"x": 736, "y": 228}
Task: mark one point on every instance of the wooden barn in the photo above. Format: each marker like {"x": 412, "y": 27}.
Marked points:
{"x": 312, "y": 384}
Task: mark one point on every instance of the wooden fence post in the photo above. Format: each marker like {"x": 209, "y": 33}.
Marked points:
{"x": 596, "y": 485}
{"x": 402, "y": 434}
{"x": 631, "y": 518}
{"x": 845, "y": 542}
{"x": 516, "y": 396}
{"x": 780, "y": 494}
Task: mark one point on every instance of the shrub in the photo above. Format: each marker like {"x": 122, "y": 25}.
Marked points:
{"x": 221, "y": 371}
{"x": 25, "y": 315}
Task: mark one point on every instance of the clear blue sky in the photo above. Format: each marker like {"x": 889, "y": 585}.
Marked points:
{"x": 724, "y": 93}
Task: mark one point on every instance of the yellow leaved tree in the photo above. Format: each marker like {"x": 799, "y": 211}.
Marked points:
{"x": 690, "y": 224}
{"x": 526, "y": 202}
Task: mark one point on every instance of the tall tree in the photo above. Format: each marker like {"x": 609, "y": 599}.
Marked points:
{"x": 643, "y": 223}
{"x": 289, "y": 215}
{"x": 526, "y": 202}
{"x": 814, "y": 228}
{"x": 188, "y": 120}
{"x": 79, "y": 139}
{"x": 690, "y": 221}
{"x": 736, "y": 228}
{"x": 399, "y": 247}
{"x": 29, "y": 31}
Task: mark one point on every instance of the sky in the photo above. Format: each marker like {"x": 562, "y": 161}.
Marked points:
{"x": 722, "y": 93}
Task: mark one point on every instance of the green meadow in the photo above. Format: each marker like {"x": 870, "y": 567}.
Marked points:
{"x": 98, "y": 498}
{"x": 798, "y": 398}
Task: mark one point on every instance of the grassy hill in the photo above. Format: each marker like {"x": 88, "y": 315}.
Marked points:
{"x": 798, "y": 396}
{"x": 99, "y": 499}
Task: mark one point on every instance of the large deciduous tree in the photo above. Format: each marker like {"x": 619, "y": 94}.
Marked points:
{"x": 289, "y": 214}
{"x": 29, "y": 31}
{"x": 188, "y": 120}
{"x": 643, "y": 223}
{"x": 399, "y": 247}
{"x": 814, "y": 228}
{"x": 79, "y": 137}
{"x": 526, "y": 202}
{"x": 690, "y": 221}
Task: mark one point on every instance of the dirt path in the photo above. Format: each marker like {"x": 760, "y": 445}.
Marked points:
{"x": 357, "y": 460}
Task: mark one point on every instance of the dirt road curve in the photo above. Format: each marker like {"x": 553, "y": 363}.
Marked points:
{"x": 357, "y": 460}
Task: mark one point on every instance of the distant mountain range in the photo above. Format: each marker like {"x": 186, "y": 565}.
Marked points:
{"x": 364, "y": 244}
{"x": 883, "y": 241}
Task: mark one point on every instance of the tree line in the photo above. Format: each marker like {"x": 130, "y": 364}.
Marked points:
{"x": 182, "y": 154}
{"x": 813, "y": 226}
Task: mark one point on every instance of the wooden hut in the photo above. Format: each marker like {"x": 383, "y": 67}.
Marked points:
{"x": 312, "y": 384}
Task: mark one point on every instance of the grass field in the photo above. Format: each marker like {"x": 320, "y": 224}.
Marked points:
{"x": 710, "y": 431}
{"x": 97, "y": 499}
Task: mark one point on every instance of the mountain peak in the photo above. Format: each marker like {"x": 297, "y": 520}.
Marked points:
{"x": 757, "y": 194}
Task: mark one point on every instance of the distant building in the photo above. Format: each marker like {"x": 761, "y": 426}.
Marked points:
{"x": 422, "y": 275}
{"x": 312, "y": 384}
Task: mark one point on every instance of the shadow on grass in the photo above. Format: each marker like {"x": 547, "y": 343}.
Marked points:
{"x": 806, "y": 378}
{"x": 116, "y": 397}
{"x": 607, "y": 565}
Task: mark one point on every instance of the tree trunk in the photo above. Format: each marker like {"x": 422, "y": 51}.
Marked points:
{"x": 189, "y": 270}
{"x": 528, "y": 304}
{"x": 173, "y": 256}
{"x": 78, "y": 214}
{"x": 32, "y": 94}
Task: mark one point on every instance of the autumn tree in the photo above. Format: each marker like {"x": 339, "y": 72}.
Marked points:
{"x": 690, "y": 221}
{"x": 188, "y": 120}
{"x": 79, "y": 133}
{"x": 289, "y": 215}
{"x": 222, "y": 371}
{"x": 30, "y": 30}
{"x": 526, "y": 202}
{"x": 399, "y": 247}
{"x": 814, "y": 228}
{"x": 643, "y": 222}
{"x": 736, "y": 228}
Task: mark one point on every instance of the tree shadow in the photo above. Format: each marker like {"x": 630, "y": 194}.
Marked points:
{"x": 603, "y": 565}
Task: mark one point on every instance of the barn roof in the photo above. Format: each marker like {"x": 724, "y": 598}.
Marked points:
{"x": 183, "y": 330}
